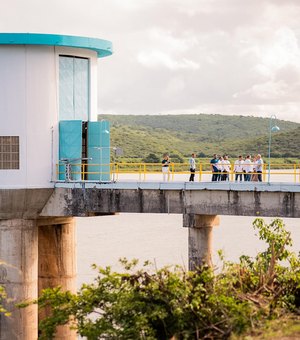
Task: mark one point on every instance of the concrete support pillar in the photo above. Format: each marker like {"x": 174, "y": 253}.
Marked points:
{"x": 57, "y": 260}
{"x": 200, "y": 238}
{"x": 18, "y": 275}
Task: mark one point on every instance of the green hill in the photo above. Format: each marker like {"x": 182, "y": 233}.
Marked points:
{"x": 204, "y": 134}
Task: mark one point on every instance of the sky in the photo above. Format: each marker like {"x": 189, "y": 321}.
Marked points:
{"x": 234, "y": 57}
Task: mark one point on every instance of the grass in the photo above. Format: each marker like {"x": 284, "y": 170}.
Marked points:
{"x": 286, "y": 327}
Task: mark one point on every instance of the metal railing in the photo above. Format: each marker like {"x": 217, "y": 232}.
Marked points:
{"x": 142, "y": 171}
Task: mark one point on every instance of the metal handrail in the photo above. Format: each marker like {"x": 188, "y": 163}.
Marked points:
{"x": 143, "y": 169}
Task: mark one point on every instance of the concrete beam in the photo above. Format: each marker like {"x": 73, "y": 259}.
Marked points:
{"x": 23, "y": 203}
{"x": 62, "y": 202}
{"x": 94, "y": 201}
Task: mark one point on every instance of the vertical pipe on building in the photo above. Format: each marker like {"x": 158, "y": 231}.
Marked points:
{"x": 200, "y": 238}
{"x": 57, "y": 261}
{"x": 52, "y": 153}
{"x": 18, "y": 275}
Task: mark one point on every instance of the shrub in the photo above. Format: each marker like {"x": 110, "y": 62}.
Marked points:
{"x": 171, "y": 302}
{"x": 151, "y": 158}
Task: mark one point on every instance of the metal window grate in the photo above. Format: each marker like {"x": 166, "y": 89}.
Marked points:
{"x": 9, "y": 152}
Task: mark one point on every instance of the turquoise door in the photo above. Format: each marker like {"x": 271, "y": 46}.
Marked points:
{"x": 70, "y": 148}
{"x": 98, "y": 151}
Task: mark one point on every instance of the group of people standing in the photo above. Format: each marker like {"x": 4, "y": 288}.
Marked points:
{"x": 246, "y": 169}
{"x": 249, "y": 169}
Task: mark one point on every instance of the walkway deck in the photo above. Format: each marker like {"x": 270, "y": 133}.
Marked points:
{"x": 232, "y": 186}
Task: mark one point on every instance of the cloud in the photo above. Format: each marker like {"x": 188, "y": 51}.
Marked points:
{"x": 269, "y": 91}
{"x": 170, "y": 51}
{"x": 175, "y": 86}
{"x": 233, "y": 56}
{"x": 158, "y": 58}
{"x": 165, "y": 39}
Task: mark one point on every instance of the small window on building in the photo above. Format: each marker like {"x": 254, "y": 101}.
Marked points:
{"x": 9, "y": 152}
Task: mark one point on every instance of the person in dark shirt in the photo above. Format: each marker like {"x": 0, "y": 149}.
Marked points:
{"x": 214, "y": 168}
{"x": 192, "y": 164}
{"x": 165, "y": 167}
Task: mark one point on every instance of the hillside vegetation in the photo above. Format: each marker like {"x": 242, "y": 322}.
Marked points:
{"x": 139, "y": 136}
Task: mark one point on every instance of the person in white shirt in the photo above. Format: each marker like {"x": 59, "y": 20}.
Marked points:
{"x": 259, "y": 167}
{"x": 220, "y": 168}
{"x": 192, "y": 164}
{"x": 238, "y": 168}
{"x": 225, "y": 168}
{"x": 248, "y": 168}
{"x": 254, "y": 176}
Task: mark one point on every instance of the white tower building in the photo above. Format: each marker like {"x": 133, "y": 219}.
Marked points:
{"x": 48, "y": 111}
{"x": 48, "y": 102}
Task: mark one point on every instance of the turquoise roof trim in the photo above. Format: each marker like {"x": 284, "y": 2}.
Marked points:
{"x": 102, "y": 47}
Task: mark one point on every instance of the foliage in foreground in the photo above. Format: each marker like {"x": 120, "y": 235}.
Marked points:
{"x": 166, "y": 303}
{"x": 3, "y": 300}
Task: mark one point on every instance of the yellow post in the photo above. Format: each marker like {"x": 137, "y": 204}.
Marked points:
{"x": 140, "y": 171}
{"x": 82, "y": 171}
{"x": 231, "y": 172}
{"x": 264, "y": 170}
{"x": 117, "y": 171}
{"x": 295, "y": 172}
{"x": 145, "y": 170}
{"x": 200, "y": 172}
